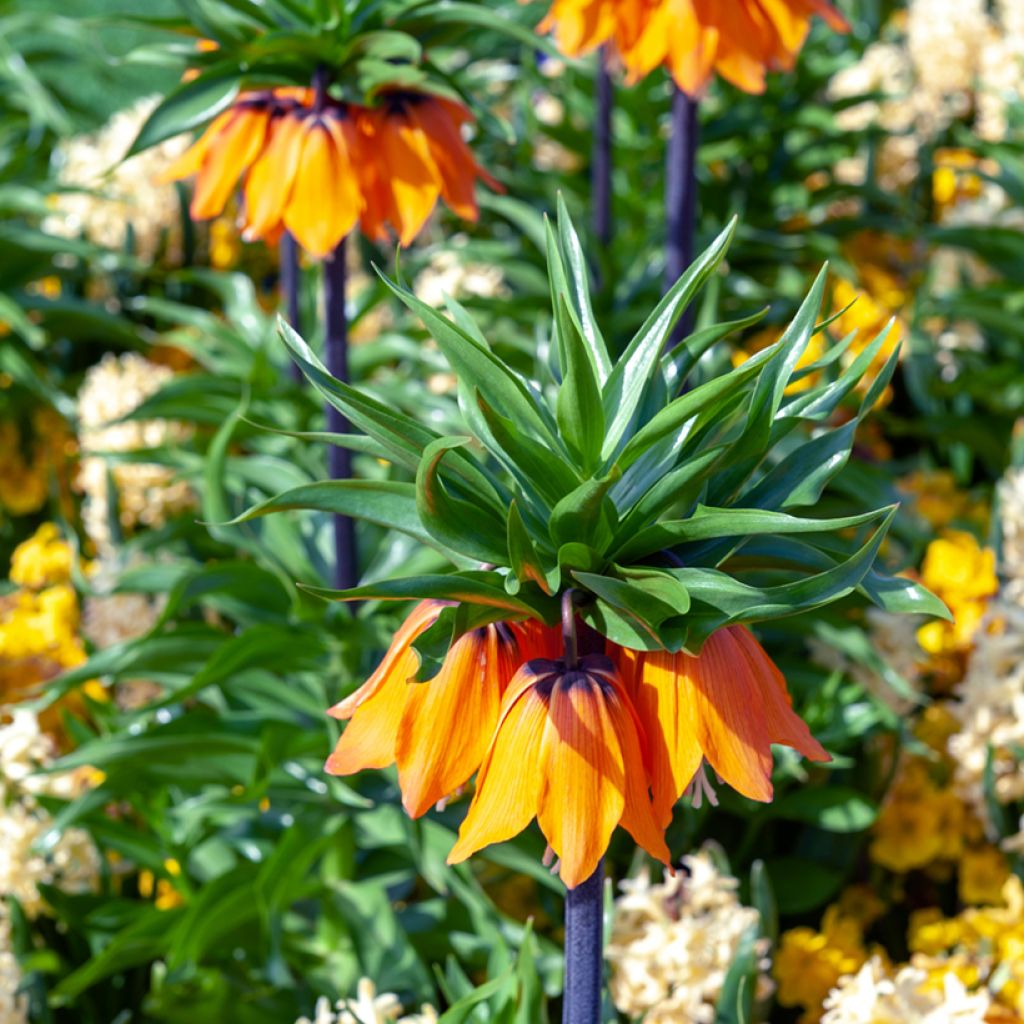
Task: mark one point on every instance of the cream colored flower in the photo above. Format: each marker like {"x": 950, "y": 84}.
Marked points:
{"x": 872, "y": 996}
{"x": 991, "y": 710}
{"x": 13, "y": 1004}
{"x": 107, "y": 195}
{"x": 367, "y": 1008}
{"x": 448, "y": 274}
{"x": 149, "y": 493}
{"x": 673, "y": 942}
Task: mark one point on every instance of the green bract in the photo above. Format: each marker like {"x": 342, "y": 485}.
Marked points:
{"x": 671, "y": 508}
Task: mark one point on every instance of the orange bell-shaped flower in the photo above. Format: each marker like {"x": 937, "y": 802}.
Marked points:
{"x": 413, "y": 154}
{"x": 569, "y": 751}
{"x": 738, "y": 39}
{"x": 437, "y": 731}
{"x": 727, "y": 706}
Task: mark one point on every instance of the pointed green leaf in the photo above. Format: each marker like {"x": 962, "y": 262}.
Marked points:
{"x": 578, "y": 407}
{"x": 713, "y": 523}
{"x": 578, "y": 276}
{"x": 469, "y": 527}
{"x": 478, "y": 366}
{"x": 626, "y": 384}
{"x": 190, "y": 105}
{"x": 585, "y": 516}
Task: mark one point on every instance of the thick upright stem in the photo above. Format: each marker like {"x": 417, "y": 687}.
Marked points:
{"x": 570, "y": 647}
{"x": 339, "y": 459}
{"x": 601, "y": 160}
{"x": 583, "y": 941}
{"x": 288, "y": 256}
{"x": 681, "y": 199}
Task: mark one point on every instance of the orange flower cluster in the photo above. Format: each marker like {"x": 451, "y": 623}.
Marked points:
{"x": 317, "y": 167}
{"x": 738, "y": 39}
{"x": 613, "y": 740}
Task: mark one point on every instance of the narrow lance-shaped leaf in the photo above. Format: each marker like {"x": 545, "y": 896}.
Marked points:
{"x": 712, "y": 523}
{"x": 477, "y": 365}
{"x": 578, "y": 407}
{"x": 579, "y": 292}
{"x": 465, "y": 526}
{"x": 626, "y": 384}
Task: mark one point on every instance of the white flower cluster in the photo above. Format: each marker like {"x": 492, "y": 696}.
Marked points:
{"x": 1010, "y": 494}
{"x": 149, "y": 493}
{"x": 991, "y": 710}
{"x": 953, "y": 59}
{"x": 448, "y": 274}
{"x": 13, "y": 1004}
{"x": 991, "y": 695}
{"x": 72, "y": 862}
{"x": 107, "y": 193}
{"x": 367, "y": 1008}
{"x": 672, "y": 942}
{"x": 871, "y": 996}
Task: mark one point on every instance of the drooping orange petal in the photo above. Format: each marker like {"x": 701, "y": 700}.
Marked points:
{"x": 269, "y": 184}
{"x": 400, "y": 660}
{"x": 659, "y": 684}
{"x": 638, "y": 815}
{"x": 509, "y": 782}
{"x": 192, "y": 159}
{"x": 584, "y": 789}
{"x": 450, "y": 154}
{"x": 411, "y": 176}
{"x": 729, "y": 715}
{"x": 448, "y": 721}
{"x": 229, "y": 156}
{"x": 325, "y": 200}
{"x": 369, "y": 738}
{"x": 369, "y": 168}
{"x": 785, "y": 726}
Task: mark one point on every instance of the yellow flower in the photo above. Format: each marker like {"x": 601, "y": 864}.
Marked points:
{"x": 931, "y": 933}
{"x": 963, "y": 574}
{"x": 816, "y": 348}
{"x": 862, "y": 904}
{"x": 937, "y": 499}
{"x": 808, "y": 963}
{"x": 955, "y": 178}
{"x": 906, "y": 835}
{"x": 957, "y": 567}
{"x": 983, "y": 872}
{"x": 934, "y": 726}
{"x": 42, "y": 560}
{"x": 160, "y": 890}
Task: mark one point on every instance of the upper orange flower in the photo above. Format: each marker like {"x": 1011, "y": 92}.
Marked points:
{"x": 738, "y": 39}
{"x": 726, "y": 706}
{"x": 317, "y": 167}
{"x": 570, "y": 751}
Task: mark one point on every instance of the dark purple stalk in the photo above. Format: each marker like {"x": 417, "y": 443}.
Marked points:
{"x": 681, "y": 200}
{"x": 584, "y": 918}
{"x": 584, "y": 925}
{"x": 288, "y": 255}
{"x": 601, "y": 161}
{"x": 339, "y": 462}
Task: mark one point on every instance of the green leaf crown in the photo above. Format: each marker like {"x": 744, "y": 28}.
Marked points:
{"x": 668, "y": 507}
